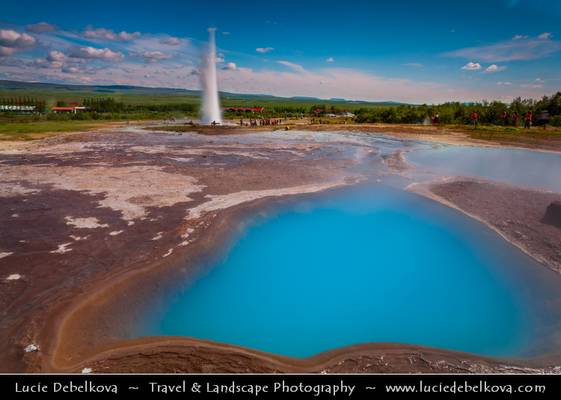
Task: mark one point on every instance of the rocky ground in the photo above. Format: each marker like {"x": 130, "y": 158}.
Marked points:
{"x": 515, "y": 213}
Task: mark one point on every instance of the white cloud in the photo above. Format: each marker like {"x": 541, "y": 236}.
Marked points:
{"x": 6, "y": 51}
{"x": 55, "y": 59}
{"x": 170, "y": 41}
{"x": 108, "y": 34}
{"x": 536, "y": 84}
{"x": 12, "y": 41}
{"x": 501, "y": 83}
{"x": 545, "y": 36}
{"x": 264, "y": 50}
{"x": 88, "y": 52}
{"x": 100, "y": 33}
{"x": 71, "y": 70}
{"x": 231, "y": 66}
{"x": 292, "y": 66}
{"x": 511, "y": 50}
{"x": 127, "y": 36}
{"x": 56, "y": 55}
{"x": 226, "y": 33}
{"x": 519, "y": 37}
{"x": 152, "y": 56}
{"x": 330, "y": 60}
{"x": 15, "y": 40}
{"x": 494, "y": 68}
{"x": 471, "y": 66}
{"x": 163, "y": 43}
{"x": 41, "y": 27}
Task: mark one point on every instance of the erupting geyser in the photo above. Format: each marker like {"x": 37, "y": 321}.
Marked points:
{"x": 210, "y": 111}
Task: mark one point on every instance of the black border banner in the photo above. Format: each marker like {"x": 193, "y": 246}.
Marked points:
{"x": 278, "y": 386}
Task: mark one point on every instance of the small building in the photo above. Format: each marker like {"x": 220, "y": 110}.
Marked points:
{"x": 70, "y": 109}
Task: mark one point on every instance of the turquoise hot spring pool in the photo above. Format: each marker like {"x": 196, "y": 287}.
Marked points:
{"x": 364, "y": 264}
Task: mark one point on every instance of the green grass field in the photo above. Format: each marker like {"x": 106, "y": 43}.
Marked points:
{"x": 39, "y": 130}
{"x": 498, "y": 131}
{"x": 536, "y": 137}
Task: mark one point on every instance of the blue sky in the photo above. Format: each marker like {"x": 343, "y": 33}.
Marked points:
{"x": 416, "y": 51}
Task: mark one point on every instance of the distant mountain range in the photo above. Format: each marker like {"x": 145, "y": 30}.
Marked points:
{"x": 16, "y": 88}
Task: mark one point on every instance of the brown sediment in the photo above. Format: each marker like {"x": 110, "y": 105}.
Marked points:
{"x": 179, "y": 354}
{"x": 91, "y": 255}
{"x": 515, "y": 213}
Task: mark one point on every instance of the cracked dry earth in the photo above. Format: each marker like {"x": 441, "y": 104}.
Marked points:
{"x": 84, "y": 215}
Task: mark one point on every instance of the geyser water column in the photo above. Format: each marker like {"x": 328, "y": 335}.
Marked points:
{"x": 210, "y": 111}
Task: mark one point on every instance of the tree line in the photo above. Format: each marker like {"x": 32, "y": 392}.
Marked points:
{"x": 110, "y": 105}
{"x": 492, "y": 112}
{"x": 459, "y": 113}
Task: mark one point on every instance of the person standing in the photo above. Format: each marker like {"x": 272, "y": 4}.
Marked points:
{"x": 474, "y": 119}
{"x": 504, "y": 117}
{"x": 515, "y": 119}
{"x": 528, "y": 120}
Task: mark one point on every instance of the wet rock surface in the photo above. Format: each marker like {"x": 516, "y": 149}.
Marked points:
{"x": 553, "y": 214}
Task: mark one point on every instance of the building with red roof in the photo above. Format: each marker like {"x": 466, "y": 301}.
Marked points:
{"x": 70, "y": 109}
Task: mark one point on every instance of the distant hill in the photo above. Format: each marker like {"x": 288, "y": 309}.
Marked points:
{"x": 52, "y": 92}
{"x": 62, "y": 88}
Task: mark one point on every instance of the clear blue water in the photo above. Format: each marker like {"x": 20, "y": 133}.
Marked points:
{"x": 518, "y": 167}
{"x": 366, "y": 264}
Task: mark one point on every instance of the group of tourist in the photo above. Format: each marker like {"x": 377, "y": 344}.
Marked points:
{"x": 507, "y": 119}
{"x": 513, "y": 119}
{"x": 261, "y": 122}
